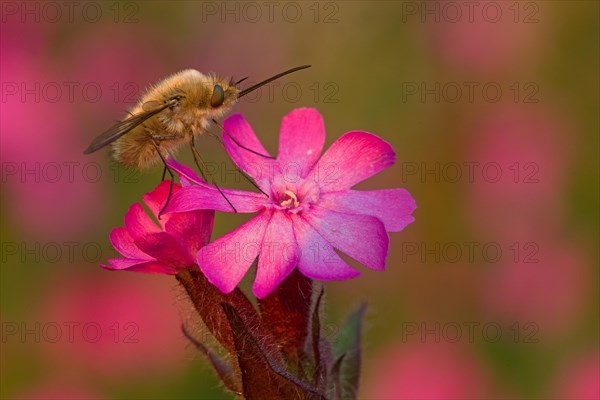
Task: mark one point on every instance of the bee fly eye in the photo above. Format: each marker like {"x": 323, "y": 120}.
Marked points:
{"x": 218, "y": 96}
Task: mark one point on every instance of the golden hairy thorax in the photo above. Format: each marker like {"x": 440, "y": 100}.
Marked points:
{"x": 169, "y": 129}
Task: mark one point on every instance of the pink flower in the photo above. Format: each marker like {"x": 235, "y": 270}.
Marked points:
{"x": 308, "y": 210}
{"x": 580, "y": 379}
{"x": 546, "y": 288}
{"x": 523, "y": 159}
{"x": 482, "y": 41}
{"x": 57, "y": 391}
{"x": 117, "y": 329}
{"x": 165, "y": 249}
{"x": 429, "y": 371}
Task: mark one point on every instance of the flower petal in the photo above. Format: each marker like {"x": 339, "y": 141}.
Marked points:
{"x": 360, "y": 236}
{"x": 191, "y": 229}
{"x": 278, "y": 255}
{"x": 301, "y": 140}
{"x": 145, "y": 266}
{"x": 138, "y": 222}
{"x": 198, "y": 197}
{"x": 123, "y": 243}
{"x": 154, "y": 268}
{"x": 226, "y": 260}
{"x": 318, "y": 260}
{"x": 185, "y": 171}
{"x": 165, "y": 249}
{"x": 393, "y": 207}
{"x": 351, "y": 159}
{"x": 156, "y": 199}
{"x": 203, "y": 196}
{"x": 123, "y": 263}
{"x": 252, "y": 164}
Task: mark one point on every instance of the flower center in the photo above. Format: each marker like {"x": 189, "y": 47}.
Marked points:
{"x": 292, "y": 197}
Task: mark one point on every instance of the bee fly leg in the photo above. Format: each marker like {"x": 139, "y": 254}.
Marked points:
{"x": 166, "y": 169}
{"x": 246, "y": 176}
{"x": 204, "y": 171}
{"x": 239, "y": 144}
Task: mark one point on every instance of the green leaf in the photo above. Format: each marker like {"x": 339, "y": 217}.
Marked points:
{"x": 263, "y": 378}
{"x": 335, "y": 384}
{"x": 347, "y": 345}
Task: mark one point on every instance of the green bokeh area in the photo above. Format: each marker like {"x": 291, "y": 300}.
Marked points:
{"x": 416, "y": 74}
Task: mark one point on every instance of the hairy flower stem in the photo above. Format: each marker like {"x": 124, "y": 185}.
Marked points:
{"x": 207, "y": 300}
{"x": 268, "y": 346}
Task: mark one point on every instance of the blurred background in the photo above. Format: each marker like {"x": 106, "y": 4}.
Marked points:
{"x": 492, "y": 108}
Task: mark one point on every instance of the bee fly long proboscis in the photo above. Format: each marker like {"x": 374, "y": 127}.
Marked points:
{"x": 171, "y": 113}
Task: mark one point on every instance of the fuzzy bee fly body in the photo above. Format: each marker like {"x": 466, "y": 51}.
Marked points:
{"x": 171, "y": 113}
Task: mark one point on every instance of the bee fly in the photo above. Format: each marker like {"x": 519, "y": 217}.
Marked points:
{"x": 171, "y": 113}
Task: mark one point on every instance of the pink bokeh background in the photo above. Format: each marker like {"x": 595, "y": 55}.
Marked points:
{"x": 545, "y": 203}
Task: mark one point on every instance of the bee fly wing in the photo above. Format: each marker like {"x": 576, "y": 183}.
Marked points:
{"x": 122, "y": 127}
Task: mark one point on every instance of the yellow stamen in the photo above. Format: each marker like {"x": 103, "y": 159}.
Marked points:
{"x": 293, "y": 197}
